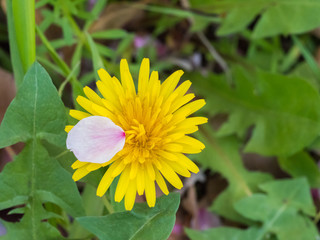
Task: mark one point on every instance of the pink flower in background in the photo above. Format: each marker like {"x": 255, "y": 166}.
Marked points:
{"x": 205, "y": 220}
{"x": 140, "y": 41}
{"x": 3, "y": 230}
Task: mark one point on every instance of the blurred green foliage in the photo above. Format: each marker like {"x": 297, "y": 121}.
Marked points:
{"x": 255, "y": 63}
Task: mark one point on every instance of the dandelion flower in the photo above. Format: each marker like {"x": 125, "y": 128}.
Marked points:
{"x": 141, "y": 135}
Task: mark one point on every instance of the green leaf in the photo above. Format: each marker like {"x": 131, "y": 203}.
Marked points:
{"x": 36, "y": 112}
{"x": 98, "y": 7}
{"x": 282, "y": 210}
{"x": 105, "y": 51}
{"x": 221, "y": 233}
{"x": 176, "y": 12}
{"x": 14, "y": 51}
{"x": 24, "y": 27}
{"x": 302, "y": 165}
{"x": 308, "y": 56}
{"x": 141, "y": 223}
{"x": 283, "y": 123}
{"x": 34, "y": 178}
{"x": 67, "y": 32}
{"x": 36, "y": 116}
{"x": 26, "y": 229}
{"x": 110, "y": 34}
{"x": 96, "y": 58}
{"x": 276, "y": 16}
{"x": 93, "y": 207}
{"x": 303, "y": 70}
{"x": 222, "y": 155}
{"x": 238, "y": 18}
{"x": 274, "y": 19}
{"x": 53, "y": 53}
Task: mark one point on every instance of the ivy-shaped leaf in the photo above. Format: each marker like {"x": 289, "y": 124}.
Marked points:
{"x": 222, "y": 155}
{"x": 275, "y": 15}
{"x": 36, "y": 115}
{"x": 282, "y": 211}
{"x": 285, "y": 111}
{"x": 27, "y": 229}
{"x": 302, "y": 165}
{"x": 142, "y": 223}
{"x": 223, "y": 233}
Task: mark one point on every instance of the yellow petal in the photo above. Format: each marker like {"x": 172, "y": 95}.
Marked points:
{"x": 183, "y": 88}
{"x": 185, "y": 130}
{"x": 86, "y": 104}
{"x": 178, "y": 168}
{"x": 167, "y": 155}
{"x": 108, "y": 93}
{"x": 92, "y": 95}
{"x": 68, "y": 128}
{"x": 134, "y": 169}
{"x": 104, "y": 76}
{"x": 154, "y": 87}
{"x": 184, "y": 160}
{"x": 80, "y": 173}
{"x": 187, "y": 110}
{"x": 93, "y": 166}
{"x": 78, "y": 164}
{"x": 170, "y": 84}
{"x": 144, "y": 73}
{"x": 102, "y": 111}
{"x": 126, "y": 78}
{"x": 161, "y": 183}
{"x": 190, "y": 144}
{"x": 130, "y": 196}
{"x": 115, "y": 158}
{"x": 181, "y": 101}
{"x": 122, "y": 185}
{"x": 106, "y": 180}
{"x": 118, "y": 88}
{"x": 150, "y": 191}
{"x": 172, "y": 147}
{"x": 118, "y": 169}
{"x": 150, "y": 171}
{"x": 192, "y": 121}
{"x": 170, "y": 175}
{"x": 140, "y": 180}
{"x": 78, "y": 114}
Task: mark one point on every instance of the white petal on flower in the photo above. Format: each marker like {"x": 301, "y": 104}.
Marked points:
{"x": 95, "y": 139}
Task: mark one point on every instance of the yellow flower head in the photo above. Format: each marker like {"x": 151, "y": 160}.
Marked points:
{"x": 148, "y": 130}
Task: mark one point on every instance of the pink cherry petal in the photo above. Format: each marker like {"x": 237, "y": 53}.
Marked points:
{"x": 95, "y": 139}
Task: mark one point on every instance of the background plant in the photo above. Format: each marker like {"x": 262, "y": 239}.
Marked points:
{"x": 255, "y": 62}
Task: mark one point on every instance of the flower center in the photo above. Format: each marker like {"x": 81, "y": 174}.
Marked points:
{"x": 138, "y": 137}
{"x": 140, "y": 142}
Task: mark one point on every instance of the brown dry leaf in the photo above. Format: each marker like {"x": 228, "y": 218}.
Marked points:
{"x": 7, "y": 91}
{"x": 117, "y": 15}
{"x": 255, "y": 162}
{"x": 4, "y": 6}
{"x": 317, "y": 57}
{"x": 316, "y": 32}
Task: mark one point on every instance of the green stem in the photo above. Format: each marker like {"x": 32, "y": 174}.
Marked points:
{"x": 14, "y": 50}
{"x": 317, "y": 218}
{"x": 107, "y": 204}
{"x": 61, "y": 88}
{"x": 24, "y": 23}
{"x": 54, "y": 55}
